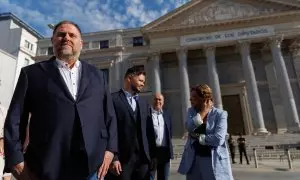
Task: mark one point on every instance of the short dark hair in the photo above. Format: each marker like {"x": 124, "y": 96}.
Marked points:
{"x": 66, "y": 22}
{"x": 135, "y": 71}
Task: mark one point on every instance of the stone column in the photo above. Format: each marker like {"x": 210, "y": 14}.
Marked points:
{"x": 116, "y": 85}
{"x": 274, "y": 90}
{"x": 213, "y": 76}
{"x": 184, "y": 81}
{"x": 119, "y": 40}
{"x": 111, "y": 76}
{"x": 285, "y": 86}
{"x": 253, "y": 95}
{"x": 156, "y": 81}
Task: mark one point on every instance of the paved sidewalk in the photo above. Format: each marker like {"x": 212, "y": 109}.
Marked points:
{"x": 267, "y": 166}
{"x": 267, "y": 170}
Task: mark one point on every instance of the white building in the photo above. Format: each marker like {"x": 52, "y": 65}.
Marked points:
{"x": 248, "y": 51}
{"x": 18, "y": 45}
{"x": 8, "y": 64}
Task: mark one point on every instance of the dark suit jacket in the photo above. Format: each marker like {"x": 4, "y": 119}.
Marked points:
{"x": 127, "y": 126}
{"x": 42, "y": 92}
{"x": 168, "y": 133}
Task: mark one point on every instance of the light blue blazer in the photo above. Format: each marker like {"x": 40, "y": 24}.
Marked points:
{"x": 216, "y": 130}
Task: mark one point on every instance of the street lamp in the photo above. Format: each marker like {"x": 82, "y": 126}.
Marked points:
{"x": 51, "y": 26}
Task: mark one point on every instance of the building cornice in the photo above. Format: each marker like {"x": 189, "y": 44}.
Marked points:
{"x": 170, "y": 15}
{"x": 106, "y": 50}
{"x": 21, "y": 23}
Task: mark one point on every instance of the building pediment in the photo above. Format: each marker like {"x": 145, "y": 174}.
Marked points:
{"x": 204, "y": 12}
{"x": 224, "y": 10}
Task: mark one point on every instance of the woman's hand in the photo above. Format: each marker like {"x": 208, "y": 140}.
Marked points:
{"x": 206, "y": 107}
{"x": 197, "y": 120}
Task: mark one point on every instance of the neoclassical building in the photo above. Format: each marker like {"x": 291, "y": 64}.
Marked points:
{"x": 246, "y": 50}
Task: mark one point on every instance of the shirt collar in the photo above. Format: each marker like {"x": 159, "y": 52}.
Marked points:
{"x": 129, "y": 95}
{"x": 156, "y": 112}
{"x": 63, "y": 64}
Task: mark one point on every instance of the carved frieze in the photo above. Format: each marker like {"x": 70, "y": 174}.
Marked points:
{"x": 224, "y": 10}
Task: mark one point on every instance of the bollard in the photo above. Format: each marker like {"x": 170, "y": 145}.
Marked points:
{"x": 255, "y": 158}
{"x": 289, "y": 158}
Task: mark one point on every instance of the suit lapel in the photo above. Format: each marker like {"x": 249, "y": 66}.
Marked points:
{"x": 126, "y": 104}
{"x": 51, "y": 69}
{"x": 84, "y": 79}
{"x": 141, "y": 108}
{"x": 141, "y": 103}
{"x": 210, "y": 119}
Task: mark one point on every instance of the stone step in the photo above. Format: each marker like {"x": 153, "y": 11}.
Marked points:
{"x": 257, "y": 141}
{"x": 262, "y": 144}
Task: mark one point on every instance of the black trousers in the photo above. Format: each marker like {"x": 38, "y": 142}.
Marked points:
{"x": 77, "y": 164}
{"x": 137, "y": 168}
{"x": 77, "y": 167}
{"x": 232, "y": 153}
{"x": 243, "y": 151}
{"x": 163, "y": 163}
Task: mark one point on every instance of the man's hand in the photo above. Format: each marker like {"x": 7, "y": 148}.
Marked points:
{"x": 108, "y": 156}
{"x": 19, "y": 168}
{"x": 116, "y": 168}
{"x": 1, "y": 147}
{"x": 20, "y": 171}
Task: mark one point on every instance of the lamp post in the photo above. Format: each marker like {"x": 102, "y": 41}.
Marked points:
{"x": 51, "y": 26}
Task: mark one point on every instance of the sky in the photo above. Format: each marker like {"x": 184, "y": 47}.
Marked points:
{"x": 90, "y": 15}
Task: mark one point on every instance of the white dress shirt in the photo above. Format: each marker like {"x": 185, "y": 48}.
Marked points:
{"x": 3, "y": 112}
{"x": 159, "y": 128}
{"x": 70, "y": 76}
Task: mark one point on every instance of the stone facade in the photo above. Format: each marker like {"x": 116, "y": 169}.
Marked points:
{"x": 246, "y": 50}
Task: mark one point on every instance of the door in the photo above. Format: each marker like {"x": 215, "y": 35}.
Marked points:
{"x": 232, "y": 105}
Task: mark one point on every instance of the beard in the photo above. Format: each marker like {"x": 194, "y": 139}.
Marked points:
{"x": 134, "y": 89}
{"x": 67, "y": 54}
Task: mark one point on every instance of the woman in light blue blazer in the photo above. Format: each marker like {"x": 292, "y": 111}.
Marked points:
{"x": 205, "y": 155}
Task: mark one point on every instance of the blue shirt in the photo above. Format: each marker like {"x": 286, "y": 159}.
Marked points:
{"x": 131, "y": 99}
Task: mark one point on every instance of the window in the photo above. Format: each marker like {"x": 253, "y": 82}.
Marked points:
{"x": 104, "y": 44}
{"x": 50, "y": 50}
{"x": 96, "y": 44}
{"x": 28, "y": 45}
{"x": 138, "y": 41}
{"x": 43, "y": 51}
{"x": 86, "y": 45}
{"x": 26, "y": 62}
{"x": 106, "y": 75}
